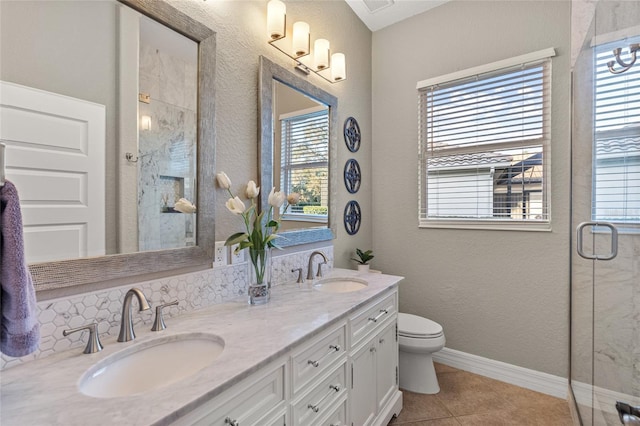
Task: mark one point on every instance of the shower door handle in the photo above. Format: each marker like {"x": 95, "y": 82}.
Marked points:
{"x": 614, "y": 241}
{"x": 629, "y": 415}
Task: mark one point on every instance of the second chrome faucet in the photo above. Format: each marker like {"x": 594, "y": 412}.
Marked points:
{"x": 310, "y": 266}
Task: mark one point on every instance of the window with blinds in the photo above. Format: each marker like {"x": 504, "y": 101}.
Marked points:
{"x": 305, "y": 164}
{"x": 484, "y": 147}
{"x": 616, "y": 158}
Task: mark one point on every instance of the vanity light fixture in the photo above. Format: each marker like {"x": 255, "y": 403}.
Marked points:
{"x": 332, "y": 68}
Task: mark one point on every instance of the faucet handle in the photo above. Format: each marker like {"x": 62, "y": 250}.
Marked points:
{"x": 300, "y": 279}
{"x": 158, "y": 323}
{"x": 93, "y": 344}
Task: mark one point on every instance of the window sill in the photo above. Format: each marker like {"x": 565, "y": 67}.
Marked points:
{"x": 622, "y": 228}
{"x": 304, "y": 218}
{"x": 492, "y": 225}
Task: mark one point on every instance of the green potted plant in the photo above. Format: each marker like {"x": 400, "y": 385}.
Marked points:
{"x": 363, "y": 259}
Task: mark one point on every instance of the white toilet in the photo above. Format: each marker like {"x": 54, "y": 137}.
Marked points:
{"x": 418, "y": 339}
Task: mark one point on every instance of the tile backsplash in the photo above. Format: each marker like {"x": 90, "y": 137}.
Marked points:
{"x": 193, "y": 291}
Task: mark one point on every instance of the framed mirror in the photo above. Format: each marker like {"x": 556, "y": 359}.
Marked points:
{"x": 306, "y": 121}
{"x": 130, "y": 250}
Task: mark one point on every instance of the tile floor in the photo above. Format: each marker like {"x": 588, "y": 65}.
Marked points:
{"x": 470, "y": 399}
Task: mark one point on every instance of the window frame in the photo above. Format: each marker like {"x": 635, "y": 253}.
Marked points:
{"x": 483, "y": 223}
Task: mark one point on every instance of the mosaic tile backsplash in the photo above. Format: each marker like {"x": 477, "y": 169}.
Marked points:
{"x": 193, "y": 291}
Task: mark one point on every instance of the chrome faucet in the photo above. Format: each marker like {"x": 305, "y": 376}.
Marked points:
{"x": 310, "y": 267}
{"x": 126, "y": 323}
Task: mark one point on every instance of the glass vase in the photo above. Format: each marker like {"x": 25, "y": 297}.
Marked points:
{"x": 259, "y": 289}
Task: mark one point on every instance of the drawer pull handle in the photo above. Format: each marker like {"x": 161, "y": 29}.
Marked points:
{"x": 231, "y": 421}
{"x": 332, "y": 349}
{"x": 377, "y": 317}
{"x": 316, "y": 407}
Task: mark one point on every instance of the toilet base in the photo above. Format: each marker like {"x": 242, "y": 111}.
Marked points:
{"x": 417, "y": 373}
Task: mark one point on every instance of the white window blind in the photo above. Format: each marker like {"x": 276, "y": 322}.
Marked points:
{"x": 484, "y": 147}
{"x": 305, "y": 163}
{"x": 616, "y": 164}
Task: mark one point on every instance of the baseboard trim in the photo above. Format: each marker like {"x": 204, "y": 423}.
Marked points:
{"x": 509, "y": 373}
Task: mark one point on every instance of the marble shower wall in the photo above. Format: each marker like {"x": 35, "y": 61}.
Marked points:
{"x": 192, "y": 291}
{"x": 167, "y": 151}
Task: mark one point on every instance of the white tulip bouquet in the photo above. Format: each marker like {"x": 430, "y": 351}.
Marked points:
{"x": 260, "y": 231}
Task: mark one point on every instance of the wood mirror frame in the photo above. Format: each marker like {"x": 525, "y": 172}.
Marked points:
{"x": 108, "y": 271}
{"x": 270, "y": 72}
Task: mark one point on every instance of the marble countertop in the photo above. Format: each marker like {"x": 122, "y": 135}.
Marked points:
{"x": 44, "y": 392}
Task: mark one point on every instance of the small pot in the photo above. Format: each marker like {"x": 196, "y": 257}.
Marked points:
{"x": 363, "y": 268}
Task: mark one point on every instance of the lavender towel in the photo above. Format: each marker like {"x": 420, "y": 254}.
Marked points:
{"x": 19, "y": 328}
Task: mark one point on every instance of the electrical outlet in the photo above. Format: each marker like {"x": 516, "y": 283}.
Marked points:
{"x": 220, "y": 254}
{"x": 236, "y": 258}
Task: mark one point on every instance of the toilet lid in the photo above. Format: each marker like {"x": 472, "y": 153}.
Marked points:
{"x": 415, "y": 326}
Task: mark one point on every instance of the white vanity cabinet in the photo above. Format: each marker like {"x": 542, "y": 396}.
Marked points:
{"x": 319, "y": 378}
{"x": 374, "y": 396}
{"x": 345, "y": 375}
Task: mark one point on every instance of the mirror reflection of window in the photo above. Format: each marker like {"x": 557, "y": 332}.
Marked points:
{"x": 616, "y": 164}
{"x": 305, "y": 163}
{"x": 301, "y": 151}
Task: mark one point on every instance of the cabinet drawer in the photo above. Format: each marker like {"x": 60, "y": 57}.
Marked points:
{"x": 279, "y": 420}
{"x": 338, "y": 416}
{"x": 313, "y": 406}
{"x": 248, "y": 403}
{"x": 371, "y": 318}
{"x": 323, "y": 354}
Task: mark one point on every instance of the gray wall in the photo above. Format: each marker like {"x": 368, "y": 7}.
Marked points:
{"x": 498, "y": 294}
{"x": 241, "y": 39}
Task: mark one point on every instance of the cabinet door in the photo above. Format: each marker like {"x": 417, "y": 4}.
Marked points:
{"x": 363, "y": 385}
{"x": 386, "y": 364}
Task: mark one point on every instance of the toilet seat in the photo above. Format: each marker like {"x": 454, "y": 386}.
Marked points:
{"x": 417, "y": 327}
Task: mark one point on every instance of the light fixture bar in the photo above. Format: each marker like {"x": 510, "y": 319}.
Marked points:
{"x": 321, "y": 60}
{"x": 300, "y": 66}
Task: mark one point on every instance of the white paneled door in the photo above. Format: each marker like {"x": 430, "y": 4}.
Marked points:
{"x": 55, "y": 156}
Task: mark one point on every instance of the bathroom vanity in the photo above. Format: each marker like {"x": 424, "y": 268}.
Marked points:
{"x": 308, "y": 357}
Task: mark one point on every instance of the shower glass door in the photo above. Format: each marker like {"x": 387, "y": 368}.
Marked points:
{"x": 605, "y": 260}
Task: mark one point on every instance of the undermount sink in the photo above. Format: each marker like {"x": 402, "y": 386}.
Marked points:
{"x": 340, "y": 285}
{"x": 151, "y": 365}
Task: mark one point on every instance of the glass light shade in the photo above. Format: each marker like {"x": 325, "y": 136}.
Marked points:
{"x": 145, "y": 122}
{"x": 300, "y": 38}
{"x": 321, "y": 54}
{"x": 338, "y": 67}
{"x": 276, "y": 12}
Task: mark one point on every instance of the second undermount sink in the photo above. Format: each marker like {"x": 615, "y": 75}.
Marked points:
{"x": 339, "y": 285}
{"x": 151, "y": 364}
